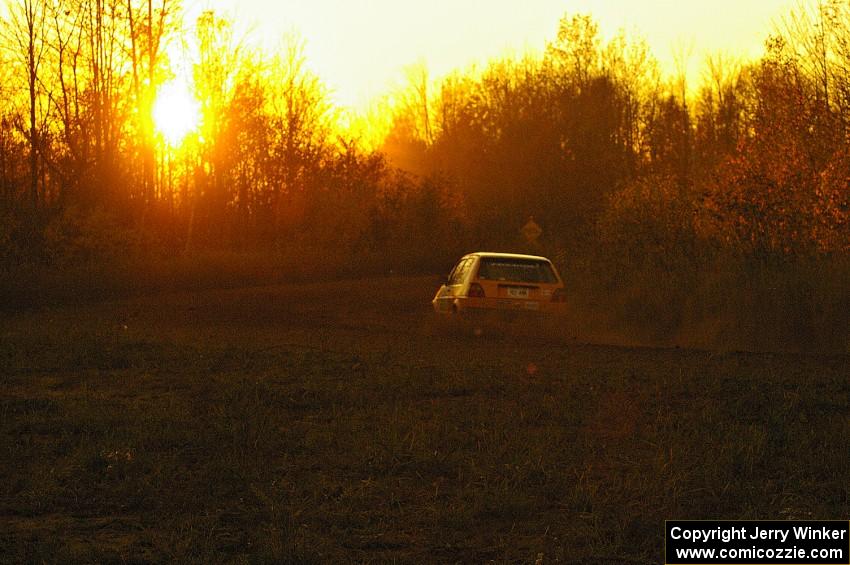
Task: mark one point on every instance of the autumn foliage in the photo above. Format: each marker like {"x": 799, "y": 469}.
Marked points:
{"x": 668, "y": 204}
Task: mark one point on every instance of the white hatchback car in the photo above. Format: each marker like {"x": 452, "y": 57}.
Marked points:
{"x": 482, "y": 282}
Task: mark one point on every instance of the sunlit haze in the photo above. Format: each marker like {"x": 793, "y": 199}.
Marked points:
{"x": 175, "y": 112}
{"x": 360, "y": 49}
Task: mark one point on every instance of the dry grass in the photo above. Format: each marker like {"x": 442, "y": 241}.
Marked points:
{"x": 318, "y": 423}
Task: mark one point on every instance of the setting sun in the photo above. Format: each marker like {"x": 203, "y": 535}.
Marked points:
{"x": 175, "y": 113}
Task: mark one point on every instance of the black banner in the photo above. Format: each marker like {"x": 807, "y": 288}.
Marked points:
{"x": 757, "y": 542}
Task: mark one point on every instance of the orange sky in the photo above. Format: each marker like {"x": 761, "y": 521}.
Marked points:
{"x": 360, "y": 47}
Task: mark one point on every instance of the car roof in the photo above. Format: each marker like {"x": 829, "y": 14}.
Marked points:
{"x": 507, "y": 256}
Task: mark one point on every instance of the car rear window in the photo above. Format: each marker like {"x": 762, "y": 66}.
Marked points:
{"x": 516, "y": 270}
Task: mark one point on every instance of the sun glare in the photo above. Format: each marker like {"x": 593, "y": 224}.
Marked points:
{"x": 176, "y": 113}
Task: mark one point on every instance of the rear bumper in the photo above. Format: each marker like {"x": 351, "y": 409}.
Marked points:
{"x": 473, "y": 305}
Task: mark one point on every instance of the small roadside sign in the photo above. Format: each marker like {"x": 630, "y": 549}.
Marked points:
{"x": 531, "y": 230}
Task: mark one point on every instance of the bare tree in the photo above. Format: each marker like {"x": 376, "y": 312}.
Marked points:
{"x": 416, "y": 100}
{"x": 150, "y": 24}
{"x": 809, "y": 33}
{"x": 635, "y": 72}
{"x": 577, "y": 48}
{"x": 720, "y": 108}
{"x": 300, "y": 108}
{"x": 24, "y": 35}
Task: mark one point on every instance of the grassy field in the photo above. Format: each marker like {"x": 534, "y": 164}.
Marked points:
{"x": 318, "y": 423}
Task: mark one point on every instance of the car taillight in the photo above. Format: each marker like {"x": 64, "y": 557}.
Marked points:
{"x": 559, "y": 295}
{"x": 475, "y": 291}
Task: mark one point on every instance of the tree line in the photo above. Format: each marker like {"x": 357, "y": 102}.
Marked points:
{"x": 86, "y": 176}
{"x": 635, "y": 176}
{"x": 717, "y": 210}
{"x": 592, "y": 134}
